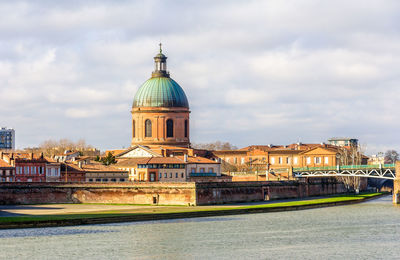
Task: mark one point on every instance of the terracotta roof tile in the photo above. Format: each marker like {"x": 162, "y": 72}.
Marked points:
{"x": 4, "y": 164}
{"x": 68, "y": 153}
{"x": 197, "y": 159}
{"x": 115, "y": 152}
{"x": 99, "y": 167}
{"x": 150, "y": 160}
{"x": 70, "y": 167}
{"x": 131, "y": 161}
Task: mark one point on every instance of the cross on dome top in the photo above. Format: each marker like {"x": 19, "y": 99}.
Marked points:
{"x": 160, "y": 63}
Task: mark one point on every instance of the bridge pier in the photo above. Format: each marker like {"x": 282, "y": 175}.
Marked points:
{"x": 396, "y": 185}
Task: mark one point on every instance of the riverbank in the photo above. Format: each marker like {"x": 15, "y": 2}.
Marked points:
{"x": 148, "y": 213}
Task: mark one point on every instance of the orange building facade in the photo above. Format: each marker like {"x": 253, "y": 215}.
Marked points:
{"x": 275, "y": 162}
{"x": 160, "y": 110}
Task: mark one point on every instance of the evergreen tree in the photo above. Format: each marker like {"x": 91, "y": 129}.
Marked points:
{"x": 109, "y": 159}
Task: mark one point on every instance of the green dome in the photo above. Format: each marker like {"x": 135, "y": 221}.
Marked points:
{"x": 160, "y": 92}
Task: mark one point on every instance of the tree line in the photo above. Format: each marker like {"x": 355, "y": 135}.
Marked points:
{"x": 54, "y": 147}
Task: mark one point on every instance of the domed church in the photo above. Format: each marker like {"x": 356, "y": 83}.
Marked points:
{"x": 160, "y": 110}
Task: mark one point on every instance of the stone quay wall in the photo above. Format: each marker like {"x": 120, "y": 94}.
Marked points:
{"x": 230, "y": 192}
{"x": 125, "y": 193}
{"x": 188, "y": 193}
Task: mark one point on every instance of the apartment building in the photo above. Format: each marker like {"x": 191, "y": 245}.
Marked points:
{"x": 7, "y": 138}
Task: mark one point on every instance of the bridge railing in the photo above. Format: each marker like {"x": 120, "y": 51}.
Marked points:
{"x": 344, "y": 167}
{"x": 392, "y": 165}
{"x": 303, "y": 169}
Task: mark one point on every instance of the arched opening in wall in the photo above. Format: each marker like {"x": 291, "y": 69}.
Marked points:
{"x": 147, "y": 126}
{"x": 186, "y": 128}
{"x": 170, "y": 128}
{"x": 133, "y": 128}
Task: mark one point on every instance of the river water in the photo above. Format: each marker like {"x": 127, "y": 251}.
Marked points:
{"x": 369, "y": 230}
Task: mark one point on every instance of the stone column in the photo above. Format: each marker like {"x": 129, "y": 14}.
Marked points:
{"x": 396, "y": 185}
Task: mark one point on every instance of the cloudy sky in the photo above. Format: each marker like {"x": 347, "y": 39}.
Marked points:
{"x": 255, "y": 72}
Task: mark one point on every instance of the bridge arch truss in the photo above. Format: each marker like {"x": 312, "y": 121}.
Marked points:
{"x": 381, "y": 173}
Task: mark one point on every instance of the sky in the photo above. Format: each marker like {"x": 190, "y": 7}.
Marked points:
{"x": 254, "y": 72}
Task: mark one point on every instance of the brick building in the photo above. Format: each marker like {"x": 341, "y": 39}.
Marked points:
{"x": 71, "y": 172}
{"x": 29, "y": 167}
{"x": 97, "y": 172}
{"x": 84, "y": 170}
{"x": 7, "y": 172}
{"x": 275, "y": 161}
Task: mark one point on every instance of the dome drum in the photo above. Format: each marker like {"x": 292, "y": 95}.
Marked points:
{"x": 160, "y": 110}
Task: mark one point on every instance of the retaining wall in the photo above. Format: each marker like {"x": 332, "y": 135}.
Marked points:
{"x": 188, "y": 193}
{"x": 217, "y": 193}
{"x": 130, "y": 193}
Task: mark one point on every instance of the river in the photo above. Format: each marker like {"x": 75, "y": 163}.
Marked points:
{"x": 370, "y": 230}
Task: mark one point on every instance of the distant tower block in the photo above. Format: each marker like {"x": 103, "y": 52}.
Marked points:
{"x": 7, "y": 138}
{"x": 160, "y": 110}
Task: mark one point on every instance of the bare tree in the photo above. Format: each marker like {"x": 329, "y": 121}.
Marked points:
{"x": 391, "y": 156}
{"x": 351, "y": 156}
{"x": 227, "y": 167}
{"x": 53, "y": 147}
{"x": 218, "y": 145}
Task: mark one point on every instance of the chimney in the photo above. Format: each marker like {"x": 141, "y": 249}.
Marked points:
{"x": 1, "y": 155}
{"x": 185, "y": 158}
{"x": 80, "y": 164}
{"x": 12, "y": 162}
{"x": 31, "y": 156}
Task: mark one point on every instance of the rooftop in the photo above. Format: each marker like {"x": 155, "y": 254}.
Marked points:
{"x": 4, "y": 164}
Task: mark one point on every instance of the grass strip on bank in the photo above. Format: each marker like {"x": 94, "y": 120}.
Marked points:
{"x": 341, "y": 198}
{"x": 182, "y": 210}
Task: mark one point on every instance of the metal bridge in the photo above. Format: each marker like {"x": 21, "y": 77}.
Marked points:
{"x": 382, "y": 171}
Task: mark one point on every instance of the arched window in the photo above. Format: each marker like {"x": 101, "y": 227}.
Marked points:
{"x": 186, "y": 128}
{"x": 170, "y": 128}
{"x": 147, "y": 125}
{"x": 133, "y": 128}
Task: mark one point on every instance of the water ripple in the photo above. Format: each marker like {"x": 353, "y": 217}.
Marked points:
{"x": 43, "y": 232}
